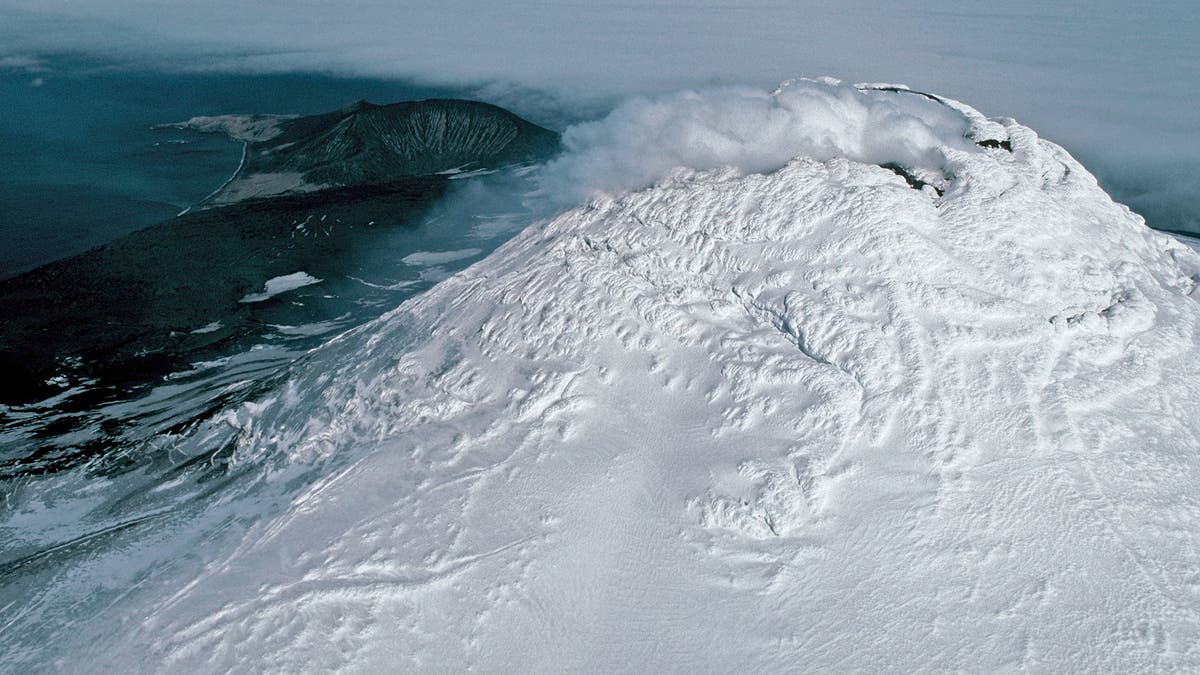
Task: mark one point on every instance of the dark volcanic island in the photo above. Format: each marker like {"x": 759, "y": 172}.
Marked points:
{"x": 311, "y": 193}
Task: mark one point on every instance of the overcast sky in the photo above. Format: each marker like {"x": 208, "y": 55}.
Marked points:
{"x": 1115, "y": 81}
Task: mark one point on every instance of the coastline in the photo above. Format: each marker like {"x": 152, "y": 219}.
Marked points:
{"x": 241, "y": 165}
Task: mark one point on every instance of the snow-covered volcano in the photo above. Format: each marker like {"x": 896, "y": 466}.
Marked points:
{"x": 813, "y": 418}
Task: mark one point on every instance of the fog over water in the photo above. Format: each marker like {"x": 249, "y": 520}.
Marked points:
{"x": 1114, "y": 82}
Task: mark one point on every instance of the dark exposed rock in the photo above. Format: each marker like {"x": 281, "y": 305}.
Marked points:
{"x": 126, "y": 313}
{"x": 913, "y": 182}
{"x": 125, "y": 310}
{"x": 995, "y": 144}
{"x": 365, "y": 143}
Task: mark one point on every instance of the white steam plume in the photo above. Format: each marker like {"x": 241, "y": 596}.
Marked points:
{"x": 751, "y": 130}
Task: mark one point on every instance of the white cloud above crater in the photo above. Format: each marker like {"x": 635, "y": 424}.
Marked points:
{"x": 1108, "y": 80}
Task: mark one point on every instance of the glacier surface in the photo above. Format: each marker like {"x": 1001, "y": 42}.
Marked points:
{"x": 777, "y": 417}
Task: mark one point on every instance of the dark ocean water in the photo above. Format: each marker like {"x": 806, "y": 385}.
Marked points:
{"x": 81, "y": 166}
{"x": 80, "y": 162}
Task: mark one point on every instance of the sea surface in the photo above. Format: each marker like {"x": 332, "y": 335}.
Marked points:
{"x": 83, "y": 163}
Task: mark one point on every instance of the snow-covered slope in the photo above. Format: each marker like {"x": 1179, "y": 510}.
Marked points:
{"x": 812, "y": 419}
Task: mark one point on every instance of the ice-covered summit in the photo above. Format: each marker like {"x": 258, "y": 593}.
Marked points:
{"x": 756, "y": 131}
{"x": 810, "y": 419}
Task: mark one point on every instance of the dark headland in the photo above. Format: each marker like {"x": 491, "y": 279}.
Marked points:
{"x": 127, "y": 313}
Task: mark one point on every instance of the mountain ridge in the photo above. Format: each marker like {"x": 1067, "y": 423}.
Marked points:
{"x": 367, "y": 143}
{"x": 364, "y": 168}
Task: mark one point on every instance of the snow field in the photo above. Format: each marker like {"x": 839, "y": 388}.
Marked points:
{"x": 805, "y": 420}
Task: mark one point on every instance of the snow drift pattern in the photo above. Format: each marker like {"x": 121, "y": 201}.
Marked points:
{"x": 806, "y": 420}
